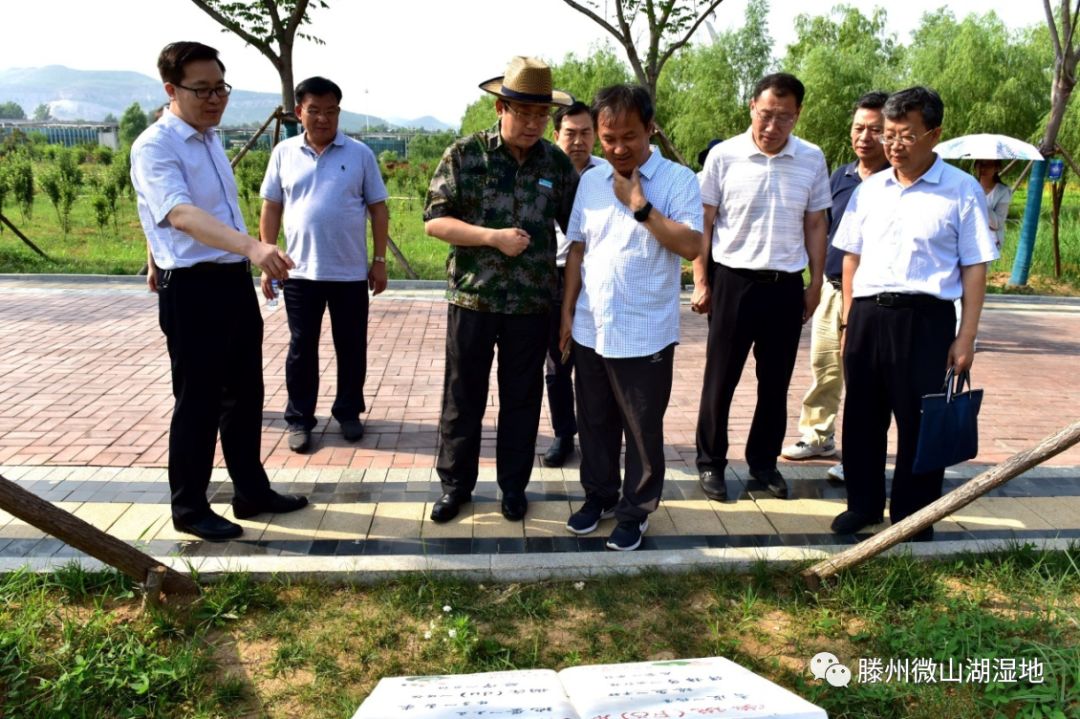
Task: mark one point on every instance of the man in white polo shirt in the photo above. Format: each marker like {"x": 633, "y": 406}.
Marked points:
{"x": 631, "y": 223}
{"x": 917, "y": 238}
{"x": 325, "y": 184}
{"x": 765, "y": 194}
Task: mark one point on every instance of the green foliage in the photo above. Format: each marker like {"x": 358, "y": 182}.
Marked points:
{"x": 991, "y": 80}
{"x": 20, "y": 180}
{"x": 11, "y": 111}
{"x": 61, "y": 184}
{"x": 42, "y": 113}
{"x": 839, "y": 57}
{"x": 582, "y": 77}
{"x": 428, "y": 146}
{"x": 249, "y": 176}
{"x": 479, "y": 115}
{"x": 132, "y": 123}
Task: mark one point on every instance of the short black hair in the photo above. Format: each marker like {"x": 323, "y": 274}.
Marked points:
{"x": 915, "y": 98}
{"x": 316, "y": 86}
{"x": 575, "y": 108}
{"x": 704, "y": 154}
{"x": 176, "y": 55}
{"x": 782, "y": 84}
{"x": 621, "y": 99}
{"x": 873, "y": 100}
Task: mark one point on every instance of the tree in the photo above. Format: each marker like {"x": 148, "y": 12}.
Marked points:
{"x": 11, "y": 111}
{"x": 839, "y": 57}
{"x": 132, "y": 123}
{"x": 670, "y": 25}
{"x": 271, "y": 27}
{"x": 1066, "y": 56}
{"x": 42, "y": 113}
{"x": 705, "y": 90}
{"x": 582, "y": 77}
{"x": 428, "y": 146}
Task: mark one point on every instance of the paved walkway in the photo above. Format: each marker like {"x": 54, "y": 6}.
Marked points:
{"x": 85, "y": 404}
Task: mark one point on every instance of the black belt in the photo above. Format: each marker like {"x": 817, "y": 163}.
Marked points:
{"x": 902, "y": 299}
{"x": 835, "y": 282}
{"x": 762, "y": 275}
{"x": 243, "y": 266}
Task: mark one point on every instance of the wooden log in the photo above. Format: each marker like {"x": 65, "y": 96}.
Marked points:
{"x": 255, "y": 138}
{"x": 87, "y": 538}
{"x": 23, "y": 237}
{"x": 152, "y": 587}
{"x": 960, "y": 497}
{"x": 401, "y": 259}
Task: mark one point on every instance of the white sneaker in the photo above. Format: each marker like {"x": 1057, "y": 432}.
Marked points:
{"x": 808, "y": 450}
{"x": 837, "y": 472}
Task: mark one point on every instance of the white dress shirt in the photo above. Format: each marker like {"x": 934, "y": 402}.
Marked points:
{"x": 915, "y": 239}
{"x": 174, "y": 164}
{"x": 629, "y": 301}
{"x": 563, "y": 243}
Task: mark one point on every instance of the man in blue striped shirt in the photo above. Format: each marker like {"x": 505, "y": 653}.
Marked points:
{"x": 632, "y": 222}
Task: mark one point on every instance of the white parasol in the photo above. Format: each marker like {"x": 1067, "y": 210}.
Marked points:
{"x": 987, "y": 147}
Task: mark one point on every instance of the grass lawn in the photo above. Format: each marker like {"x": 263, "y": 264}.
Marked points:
{"x": 75, "y": 644}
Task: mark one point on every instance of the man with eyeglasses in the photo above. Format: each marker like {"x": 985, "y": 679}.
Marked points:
{"x": 916, "y": 237}
{"x": 325, "y": 184}
{"x": 765, "y": 194}
{"x": 495, "y": 199}
{"x": 207, "y": 308}
{"x": 817, "y": 421}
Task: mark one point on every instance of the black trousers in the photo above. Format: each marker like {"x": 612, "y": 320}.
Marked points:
{"x": 623, "y": 397}
{"x": 767, "y": 316}
{"x": 471, "y": 339}
{"x": 214, "y": 331}
{"x": 305, "y": 302}
{"x": 559, "y": 376}
{"x": 892, "y": 357}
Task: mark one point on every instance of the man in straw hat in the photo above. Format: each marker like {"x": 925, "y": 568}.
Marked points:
{"x": 495, "y": 198}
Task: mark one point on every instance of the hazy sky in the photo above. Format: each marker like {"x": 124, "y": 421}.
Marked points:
{"x": 402, "y": 58}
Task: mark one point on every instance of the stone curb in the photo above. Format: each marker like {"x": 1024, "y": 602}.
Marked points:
{"x": 525, "y": 567}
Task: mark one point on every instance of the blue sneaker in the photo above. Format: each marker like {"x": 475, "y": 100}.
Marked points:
{"x": 627, "y": 535}
{"x": 588, "y": 517}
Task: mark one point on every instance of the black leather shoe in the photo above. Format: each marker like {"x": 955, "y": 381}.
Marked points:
{"x": 773, "y": 481}
{"x": 273, "y": 503}
{"x": 212, "y": 528}
{"x": 559, "y": 451}
{"x": 850, "y": 522}
{"x": 299, "y": 439}
{"x": 514, "y": 506}
{"x": 713, "y": 485}
{"x": 353, "y": 430}
{"x": 448, "y": 506}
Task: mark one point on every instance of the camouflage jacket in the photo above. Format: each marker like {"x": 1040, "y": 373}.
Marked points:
{"x": 479, "y": 182}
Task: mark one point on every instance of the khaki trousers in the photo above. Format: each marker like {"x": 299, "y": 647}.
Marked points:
{"x": 817, "y": 421}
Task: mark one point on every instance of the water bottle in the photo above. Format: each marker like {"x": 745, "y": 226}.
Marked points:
{"x": 275, "y": 287}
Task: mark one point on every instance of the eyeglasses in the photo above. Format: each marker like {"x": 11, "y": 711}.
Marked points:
{"x": 537, "y": 117}
{"x": 905, "y": 140}
{"x": 203, "y": 93}
{"x": 781, "y": 120}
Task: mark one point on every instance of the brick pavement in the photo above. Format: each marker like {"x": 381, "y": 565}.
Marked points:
{"x": 85, "y": 404}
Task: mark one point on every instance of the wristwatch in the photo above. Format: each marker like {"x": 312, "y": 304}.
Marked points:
{"x": 643, "y": 214}
{"x": 378, "y": 258}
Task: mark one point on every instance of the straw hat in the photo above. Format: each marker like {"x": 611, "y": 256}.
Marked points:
{"x": 527, "y": 80}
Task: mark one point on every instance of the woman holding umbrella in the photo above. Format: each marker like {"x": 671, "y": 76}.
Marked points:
{"x": 998, "y": 195}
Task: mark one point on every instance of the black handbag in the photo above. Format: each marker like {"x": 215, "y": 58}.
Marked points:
{"x": 949, "y": 427}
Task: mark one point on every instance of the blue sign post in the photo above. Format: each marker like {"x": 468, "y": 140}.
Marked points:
{"x": 1026, "y": 247}
{"x": 1056, "y": 171}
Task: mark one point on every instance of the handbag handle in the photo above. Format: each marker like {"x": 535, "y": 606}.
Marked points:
{"x": 954, "y": 383}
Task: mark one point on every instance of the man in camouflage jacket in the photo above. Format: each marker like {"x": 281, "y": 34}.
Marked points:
{"x": 495, "y": 198}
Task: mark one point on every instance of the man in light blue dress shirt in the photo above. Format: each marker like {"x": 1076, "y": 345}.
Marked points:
{"x": 187, "y": 203}
{"x": 916, "y": 237}
{"x": 632, "y": 222}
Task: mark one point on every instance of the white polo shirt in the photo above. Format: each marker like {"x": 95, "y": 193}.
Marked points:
{"x": 629, "y": 301}
{"x": 761, "y": 201}
{"x": 326, "y": 198}
{"x": 915, "y": 239}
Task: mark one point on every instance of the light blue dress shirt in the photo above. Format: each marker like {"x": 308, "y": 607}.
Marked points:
{"x": 174, "y": 164}
{"x": 915, "y": 239}
{"x": 326, "y": 199}
{"x": 629, "y": 301}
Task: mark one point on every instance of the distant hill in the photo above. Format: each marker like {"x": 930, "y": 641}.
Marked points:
{"x": 427, "y": 122}
{"x": 93, "y": 94}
